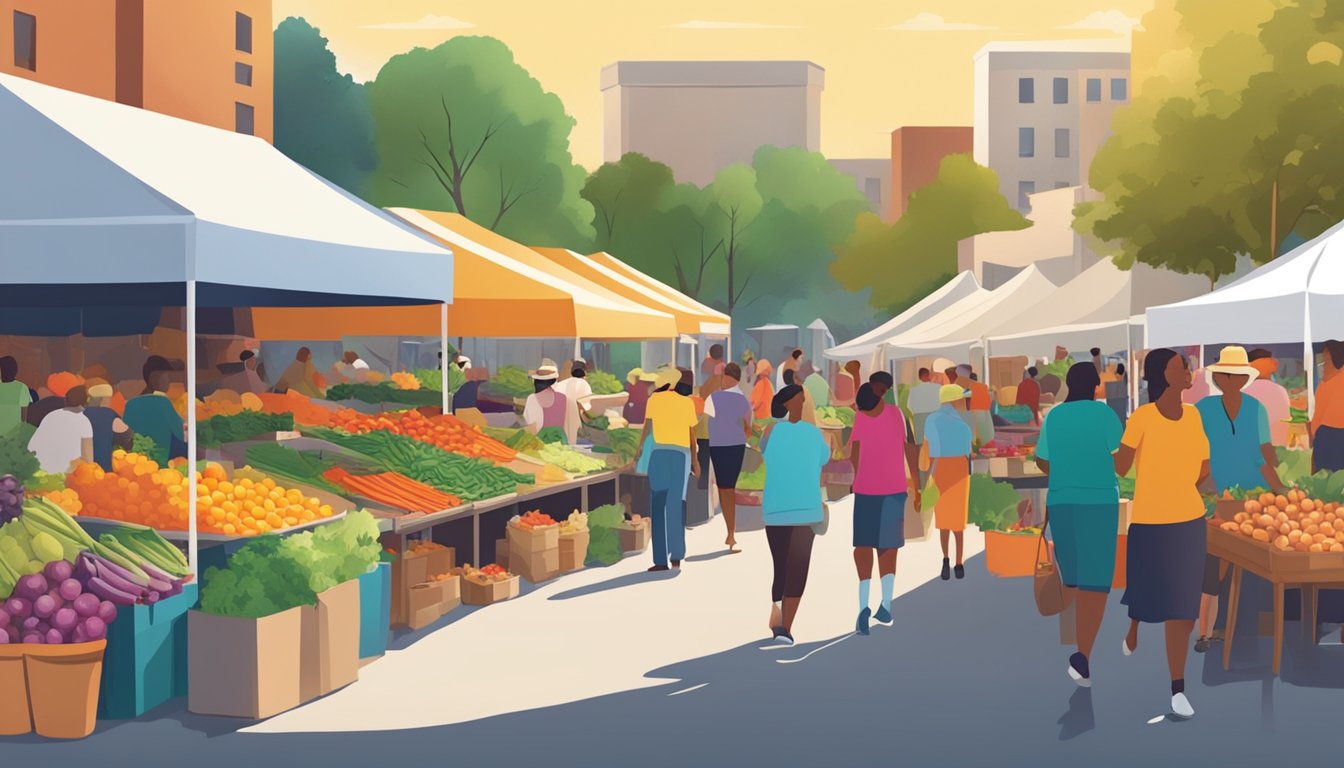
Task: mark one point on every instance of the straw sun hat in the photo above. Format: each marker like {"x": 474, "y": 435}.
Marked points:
{"x": 1234, "y": 360}
{"x": 546, "y": 371}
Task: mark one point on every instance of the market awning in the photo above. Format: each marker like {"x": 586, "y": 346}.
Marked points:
{"x": 963, "y": 286}
{"x": 100, "y": 193}
{"x": 712, "y": 322}
{"x": 507, "y": 290}
{"x": 687, "y": 317}
{"x": 955, "y": 330}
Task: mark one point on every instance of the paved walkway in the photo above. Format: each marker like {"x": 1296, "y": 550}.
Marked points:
{"x": 611, "y": 667}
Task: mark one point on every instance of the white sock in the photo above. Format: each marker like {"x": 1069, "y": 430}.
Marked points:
{"x": 888, "y": 589}
{"x": 865, "y": 586}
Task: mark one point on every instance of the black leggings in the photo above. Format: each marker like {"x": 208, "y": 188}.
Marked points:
{"x": 791, "y": 549}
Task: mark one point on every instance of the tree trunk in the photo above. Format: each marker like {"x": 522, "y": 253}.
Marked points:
{"x": 1274, "y": 220}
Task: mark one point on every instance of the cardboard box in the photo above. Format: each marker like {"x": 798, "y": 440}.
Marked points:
{"x": 538, "y": 566}
{"x": 523, "y": 542}
{"x": 573, "y": 551}
{"x": 502, "y": 553}
{"x": 450, "y": 593}
{"x": 244, "y": 667}
{"x": 415, "y": 568}
{"x": 484, "y": 593}
{"x": 635, "y": 535}
{"x": 330, "y": 641}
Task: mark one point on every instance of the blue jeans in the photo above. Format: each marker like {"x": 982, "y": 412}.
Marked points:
{"x": 668, "y": 470}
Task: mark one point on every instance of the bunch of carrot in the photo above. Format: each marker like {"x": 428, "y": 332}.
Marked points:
{"x": 395, "y": 490}
{"x": 442, "y": 431}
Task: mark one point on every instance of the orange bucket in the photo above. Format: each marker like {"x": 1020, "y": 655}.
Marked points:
{"x": 14, "y": 718}
{"x": 1011, "y": 555}
{"x": 63, "y": 685}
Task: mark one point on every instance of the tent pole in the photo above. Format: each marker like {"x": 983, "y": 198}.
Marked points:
{"x": 191, "y": 430}
{"x": 443, "y": 356}
{"x": 1308, "y": 354}
{"x": 578, "y": 347}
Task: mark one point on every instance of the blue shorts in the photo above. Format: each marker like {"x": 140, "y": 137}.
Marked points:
{"x": 1085, "y": 539}
{"x": 879, "y": 521}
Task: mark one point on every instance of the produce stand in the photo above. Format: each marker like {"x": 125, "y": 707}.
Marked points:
{"x": 1310, "y": 571}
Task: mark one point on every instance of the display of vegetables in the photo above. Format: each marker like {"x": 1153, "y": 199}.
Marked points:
{"x": 405, "y": 380}
{"x": 467, "y": 478}
{"x": 241, "y": 426}
{"x": 753, "y": 480}
{"x": 225, "y": 402}
{"x": 551, "y": 435}
{"x": 604, "y": 383}
{"x": 604, "y": 543}
{"x": 531, "y": 520}
{"x": 577, "y": 522}
{"x": 624, "y": 443}
{"x": 11, "y": 498}
{"x": 443, "y": 431}
{"x": 284, "y": 462}
{"x": 302, "y": 408}
{"x": 147, "y": 546}
{"x": 432, "y": 379}
{"x": 570, "y": 460}
{"x": 993, "y": 504}
{"x": 1291, "y": 522}
{"x": 15, "y": 458}
{"x": 385, "y": 392}
{"x": 509, "y": 382}
{"x": 55, "y": 606}
{"x": 839, "y": 416}
{"x": 395, "y": 490}
{"x": 518, "y": 439}
{"x": 489, "y": 574}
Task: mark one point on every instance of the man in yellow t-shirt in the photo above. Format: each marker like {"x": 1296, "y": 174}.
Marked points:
{"x": 671, "y": 419}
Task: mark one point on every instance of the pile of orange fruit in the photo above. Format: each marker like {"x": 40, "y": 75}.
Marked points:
{"x": 405, "y": 380}
{"x": 66, "y": 499}
{"x": 138, "y": 490}
{"x": 226, "y": 402}
{"x": 1291, "y": 522}
{"x": 442, "y": 431}
{"x": 533, "y": 519}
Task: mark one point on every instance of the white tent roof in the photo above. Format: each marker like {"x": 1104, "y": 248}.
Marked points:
{"x": 963, "y": 286}
{"x": 955, "y": 330}
{"x": 1091, "y": 310}
{"x": 100, "y": 192}
{"x": 774, "y": 327}
{"x": 1267, "y": 306}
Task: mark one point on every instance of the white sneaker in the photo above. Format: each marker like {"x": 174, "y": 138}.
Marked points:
{"x": 1083, "y": 682}
{"x": 1180, "y": 707}
{"x": 1124, "y": 643}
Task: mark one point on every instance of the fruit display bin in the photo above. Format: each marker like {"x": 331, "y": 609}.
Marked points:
{"x": 146, "y": 661}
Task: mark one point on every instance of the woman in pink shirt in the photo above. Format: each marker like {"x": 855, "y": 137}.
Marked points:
{"x": 1271, "y": 394}
{"x": 882, "y": 449}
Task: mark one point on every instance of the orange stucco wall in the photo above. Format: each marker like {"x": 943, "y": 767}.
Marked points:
{"x": 76, "y": 44}
{"x": 916, "y": 153}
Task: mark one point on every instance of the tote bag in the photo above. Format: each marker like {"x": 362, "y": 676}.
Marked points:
{"x": 1051, "y": 596}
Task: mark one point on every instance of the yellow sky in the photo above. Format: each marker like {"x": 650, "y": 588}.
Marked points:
{"x": 877, "y": 78}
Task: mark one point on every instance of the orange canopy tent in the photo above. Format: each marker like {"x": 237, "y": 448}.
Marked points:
{"x": 712, "y": 321}
{"x": 687, "y": 317}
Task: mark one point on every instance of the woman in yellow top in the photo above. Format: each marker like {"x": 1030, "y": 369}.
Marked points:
{"x": 1165, "y": 443}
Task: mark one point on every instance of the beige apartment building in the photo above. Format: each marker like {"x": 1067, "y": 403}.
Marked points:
{"x": 699, "y": 116}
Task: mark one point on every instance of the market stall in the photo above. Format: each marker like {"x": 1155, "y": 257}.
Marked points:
{"x": 962, "y": 288}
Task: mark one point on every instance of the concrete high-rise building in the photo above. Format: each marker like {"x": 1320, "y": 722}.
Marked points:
{"x": 1043, "y": 109}
{"x": 872, "y": 177}
{"x": 916, "y": 153}
{"x": 209, "y": 61}
{"x": 699, "y": 116}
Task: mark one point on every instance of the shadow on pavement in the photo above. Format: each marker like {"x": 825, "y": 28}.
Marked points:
{"x": 629, "y": 580}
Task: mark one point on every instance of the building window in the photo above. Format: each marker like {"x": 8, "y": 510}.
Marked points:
{"x": 1024, "y": 189}
{"x": 1061, "y": 90}
{"x": 1061, "y": 142}
{"x": 243, "y": 118}
{"x": 1094, "y": 89}
{"x": 242, "y": 73}
{"x": 1119, "y": 89}
{"x": 1026, "y": 142}
{"x": 1062, "y": 185}
{"x": 1026, "y": 90}
{"x": 25, "y": 41}
{"x": 242, "y": 32}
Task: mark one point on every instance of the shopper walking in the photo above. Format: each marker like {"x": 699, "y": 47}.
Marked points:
{"x": 948, "y": 442}
{"x": 762, "y": 392}
{"x": 729, "y": 415}
{"x": 883, "y": 451}
{"x": 1029, "y": 393}
{"x": 1241, "y": 455}
{"x": 791, "y": 506}
{"x": 64, "y": 434}
{"x": 670, "y": 422}
{"x": 1075, "y": 450}
{"x": 1165, "y": 444}
{"x": 923, "y": 400}
{"x": 1327, "y": 422}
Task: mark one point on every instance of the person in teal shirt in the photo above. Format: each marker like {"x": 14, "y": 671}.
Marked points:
{"x": 795, "y": 453}
{"x": 1075, "y": 450}
{"x": 1241, "y": 455}
{"x": 153, "y": 415}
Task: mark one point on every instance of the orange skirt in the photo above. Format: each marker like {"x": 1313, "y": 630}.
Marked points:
{"x": 952, "y": 477}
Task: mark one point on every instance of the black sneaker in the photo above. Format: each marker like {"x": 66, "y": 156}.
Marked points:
{"x": 1202, "y": 644}
{"x": 657, "y": 569}
{"x": 947, "y": 569}
{"x": 861, "y": 626}
{"x": 1078, "y": 670}
{"x": 960, "y": 570}
{"x": 676, "y": 564}
{"x": 782, "y": 639}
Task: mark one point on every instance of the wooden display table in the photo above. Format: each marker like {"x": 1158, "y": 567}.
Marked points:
{"x": 1310, "y": 571}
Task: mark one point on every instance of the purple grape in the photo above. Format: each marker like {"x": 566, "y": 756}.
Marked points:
{"x": 18, "y": 608}
{"x": 78, "y": 635}
{"x": 94, "y": 628}
{"x": 107, "y": 611}
{"x": 32, "y": 638}
{"x": 30, "y": 624}
{"x": 54, "y": 637}
{"x": 43, "y": 626}
{"x": 31, "y": 587}
{"x": 4, "y": 618}
{"x": 44, "y": 606}
{"x": 58, "y": 571}
{"x": 64, "y": 619}
{"x": 12, "y": 632}
{"x": 70, "y": 589}
{"x": 55, "y": 594}
{"x": 4, "y": 638}
{"x": 86, "y": 605}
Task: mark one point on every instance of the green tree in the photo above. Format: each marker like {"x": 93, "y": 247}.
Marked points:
{"x": 322, "y": 117}
{"x": 1232, "y": 143}
{"x": 463, "y": 127}
{"x": 906, "y": 261}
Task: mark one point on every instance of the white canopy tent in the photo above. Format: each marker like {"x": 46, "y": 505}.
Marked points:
{"x": 1092, "y": 309}
{"x": 1298, "y": 297}
{"x": 962, "y": 287}
{"x": 106, "y": 204}
{"x": 956, "y": 330}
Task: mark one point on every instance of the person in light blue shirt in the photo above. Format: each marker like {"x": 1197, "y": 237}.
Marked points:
{"x": 1075, "y": 450}
{"x": 794, "y": 453}
{"x": 948, "y": 440}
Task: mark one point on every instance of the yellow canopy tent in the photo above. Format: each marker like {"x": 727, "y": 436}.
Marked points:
{"x": 688, "y": 318}
{"x": 712, "y": 321}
